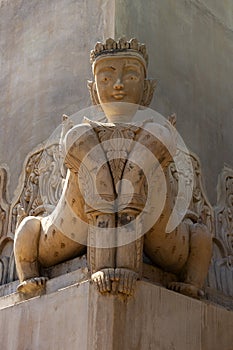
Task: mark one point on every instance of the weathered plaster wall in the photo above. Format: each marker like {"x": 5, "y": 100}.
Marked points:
{"x": 44, "y": 50}
{"x": 190, "y": 45}
{"x": 44, "y": 65}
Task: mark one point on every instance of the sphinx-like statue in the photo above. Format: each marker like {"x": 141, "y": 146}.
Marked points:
{"x": 109, "y": 201}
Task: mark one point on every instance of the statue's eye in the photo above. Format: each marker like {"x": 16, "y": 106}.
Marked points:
{"x": 131, "y": 77}
{"x": 106, "y": 79}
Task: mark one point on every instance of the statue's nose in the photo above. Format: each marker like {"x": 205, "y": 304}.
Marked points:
{"x": 118, "y": 84}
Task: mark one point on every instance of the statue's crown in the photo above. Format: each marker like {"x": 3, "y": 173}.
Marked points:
{"x": 111, "y": 47}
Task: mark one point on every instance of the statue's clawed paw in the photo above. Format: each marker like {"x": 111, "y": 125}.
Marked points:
{"x": 127, "y": 281}
{"x": 186, "y": 289}
{"x": 32, "y": 285}
{"x": 102, "y": 280}
{"x": 118, "y": 280}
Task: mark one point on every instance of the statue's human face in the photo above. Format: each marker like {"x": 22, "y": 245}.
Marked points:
{"x": 119, "y": 79}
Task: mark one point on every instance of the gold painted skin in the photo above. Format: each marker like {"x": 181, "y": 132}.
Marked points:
{"x": 117, "y": 79}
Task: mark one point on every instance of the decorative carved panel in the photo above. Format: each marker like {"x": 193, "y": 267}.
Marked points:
{"x": 4, "y": 204}
{"x": 40, "y": 184}
{"x": 199, "y": 209}
{"x": 6, "y": 243}
{"x": 221, "y": 270}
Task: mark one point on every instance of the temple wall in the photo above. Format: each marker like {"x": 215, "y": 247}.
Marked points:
{"x": 44, "y": 67}
{"x": 190, "y": 46}
{"x": 44, "y": 62}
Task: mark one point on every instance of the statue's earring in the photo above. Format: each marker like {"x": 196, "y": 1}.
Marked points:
{"x": 149, "y": 87}
{"x": 93, "y": 92}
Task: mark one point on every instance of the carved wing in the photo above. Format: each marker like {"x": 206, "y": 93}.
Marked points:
{"x": 4, "y": 203}
{"x": 221, "y": 270}
{"x": 6, "y": 242}
{"x": 200, "y": 207}
{"x": 41, "y": 181}
{"x": 40, "y": 184}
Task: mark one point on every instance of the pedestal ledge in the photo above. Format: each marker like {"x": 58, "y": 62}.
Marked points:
{"x": 73, "y": 315}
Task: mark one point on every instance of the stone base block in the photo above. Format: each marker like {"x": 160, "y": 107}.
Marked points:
{"x": 76, "y": 316}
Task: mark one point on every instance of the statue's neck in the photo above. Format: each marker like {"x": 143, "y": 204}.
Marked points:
{"x": 119, "y": 118}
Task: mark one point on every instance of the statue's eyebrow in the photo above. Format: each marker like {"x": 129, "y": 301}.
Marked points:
{"x": 132, "y": 66}
{"x": 109, "y": 68}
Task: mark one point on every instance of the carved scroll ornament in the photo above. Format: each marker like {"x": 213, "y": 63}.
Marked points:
{"x": 221, "y": 271}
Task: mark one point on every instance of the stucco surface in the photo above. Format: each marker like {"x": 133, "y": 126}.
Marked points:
{"x": 44, "y": 64}
{"x": 190, "y": 46}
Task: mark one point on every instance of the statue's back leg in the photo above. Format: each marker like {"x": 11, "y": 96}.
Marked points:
{"x": 196, "y": 268}
{"x": 26, "y": 255}
{"x": 200, "y": 255}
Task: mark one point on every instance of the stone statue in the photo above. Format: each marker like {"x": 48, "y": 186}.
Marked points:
{"x": 98, "y": 208}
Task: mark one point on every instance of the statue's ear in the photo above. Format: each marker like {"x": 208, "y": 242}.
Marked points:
{"x": 93, "y": 92}
{"x": 149, "y": 87}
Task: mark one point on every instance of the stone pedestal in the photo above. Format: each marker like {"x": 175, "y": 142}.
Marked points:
{"x": 73, "y": 315}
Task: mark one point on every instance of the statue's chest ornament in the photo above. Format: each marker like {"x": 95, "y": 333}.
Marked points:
{"x": 117, "y": 141}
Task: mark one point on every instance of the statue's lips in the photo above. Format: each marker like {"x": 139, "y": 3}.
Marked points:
{"x": 119, "y": 95}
